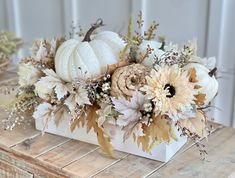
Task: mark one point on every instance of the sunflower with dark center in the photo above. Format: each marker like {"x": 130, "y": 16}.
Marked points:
{"x": 170, "y": 90}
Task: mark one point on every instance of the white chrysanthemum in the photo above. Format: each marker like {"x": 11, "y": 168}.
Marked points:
{"x": 170, "y": 90}
{"x": 28, "y": 74}
{"x": 42, "y": 90}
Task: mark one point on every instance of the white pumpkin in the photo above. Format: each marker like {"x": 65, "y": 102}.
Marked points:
{"x": 156, "y": 52}
{"x": 88, "y": 57}
{"x": 209, "y": 84}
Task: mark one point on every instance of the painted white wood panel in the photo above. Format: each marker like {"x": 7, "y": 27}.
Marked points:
{"x": 42, "y": 18}
{"x": 180, "y": 20}
{"x": 114, "y": 13}
{"x": 3, "y": 17}
{"x": 226, "y": 62}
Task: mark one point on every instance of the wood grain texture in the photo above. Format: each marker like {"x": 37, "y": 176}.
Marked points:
{"x": 8, "y": 76}
{"x": 40, "y": 144}
{"x": 220, "y": 160}
{"x": 130, "y": 166}
{"x": 10, "y": 171}
{"x": 67, "y": 153}
{"x": 31, "y": 164}
{"x": 17, "y": 135}
{"x": 93, "y": 163}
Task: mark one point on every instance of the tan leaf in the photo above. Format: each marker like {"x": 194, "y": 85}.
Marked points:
{"x": 200, "y": 99}
{"x": 192, "y": 75}
{"x": 60, "y": 114}
{"x": 197, "y": 124}
{"x": 144, "y": 142}
{"x": 92, "y": 117}
{"x": 104, "y": 141}
{"x": 78, "y": 122}
{"x": 197, "y": 87}
{"x": 160, "y": 129}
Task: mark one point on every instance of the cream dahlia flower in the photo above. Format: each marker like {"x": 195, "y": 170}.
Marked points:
{"x": 171, "y": 91}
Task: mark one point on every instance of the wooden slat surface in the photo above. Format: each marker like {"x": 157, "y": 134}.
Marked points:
{"x": 17, "y": 135}
{"x": 93, "y": 163}
{"x": 220, "y": 160}
{"x": 67, "y": 153}
{"x": 131, "y": 166}
{"x": 24, "y": 150}
{"x": 10, "y": 171}
{"x": 40, "y": 144}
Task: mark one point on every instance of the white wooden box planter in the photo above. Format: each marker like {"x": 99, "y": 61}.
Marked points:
{"x": 161, "y": 152}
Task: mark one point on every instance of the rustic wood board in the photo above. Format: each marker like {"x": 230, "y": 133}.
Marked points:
{"x": 8, "y": 76}
{"x": 17, "y": 135}
{"x": 10, "y": 171}
{"x": 67, "y": 153}
{"x": 220, "y": 160}
{"x": 130, "y": 166}
{"x": 40, "y": 144}
{"x": 93, "y": 163}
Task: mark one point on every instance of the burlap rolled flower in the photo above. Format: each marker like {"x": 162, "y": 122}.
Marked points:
{"x": 126, "y": 80}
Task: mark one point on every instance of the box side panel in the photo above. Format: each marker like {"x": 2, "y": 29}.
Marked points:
{"x": 161, "y": 152}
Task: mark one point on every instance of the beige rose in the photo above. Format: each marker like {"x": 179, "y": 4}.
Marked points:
{"x": 126, "y": 80}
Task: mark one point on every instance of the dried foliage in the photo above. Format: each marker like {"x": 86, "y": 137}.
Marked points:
{"x": 9, "y": 44}
{"x": 133, "y": 98}
{"x": 159, "y": 130}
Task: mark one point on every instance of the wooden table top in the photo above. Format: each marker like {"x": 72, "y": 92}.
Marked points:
{"x": 49, "y": 155}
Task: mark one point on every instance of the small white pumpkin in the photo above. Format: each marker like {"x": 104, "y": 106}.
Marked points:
{"x": 88, "y": 57}
{"x": 155, "y": 45}
{"x": 208, "y": 83}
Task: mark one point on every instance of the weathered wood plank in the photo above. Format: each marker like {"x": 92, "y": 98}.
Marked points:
{"x": 136, "y": 166}
{"x": 10, "y": 138}
{"x": 67, "y": 153}
{"x": 7, "y": 76}
{"x": 40, "y": 144}
{"x": 131, "y": 166}
{"x": 31, "y": 164}
{"x": 10, "y": 171}
{"x": 220, "y": 160}
{"x": 93, "y": 163}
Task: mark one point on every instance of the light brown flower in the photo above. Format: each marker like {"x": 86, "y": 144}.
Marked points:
{"x": 126, "y": 80}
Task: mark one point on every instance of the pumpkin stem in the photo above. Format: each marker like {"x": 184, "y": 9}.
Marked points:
{"x": 99, "y": 23}
{"x": 163, "y": 41}
{"x": 212, "y": 72}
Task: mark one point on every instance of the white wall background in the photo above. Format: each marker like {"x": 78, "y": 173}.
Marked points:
{"x": 212, "y": 22}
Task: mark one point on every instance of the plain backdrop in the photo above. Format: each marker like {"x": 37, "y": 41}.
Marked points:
{"x": 211, "y": 22}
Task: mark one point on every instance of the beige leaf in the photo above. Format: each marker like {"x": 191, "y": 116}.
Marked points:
{"x": 197, "y": 124}
{"x": 61, "y": 113}
{"x": 200, "y": 99}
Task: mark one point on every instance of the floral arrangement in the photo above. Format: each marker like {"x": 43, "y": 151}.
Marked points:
{"x": 104, "y": 81}
{"x": 9, "y": 44}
